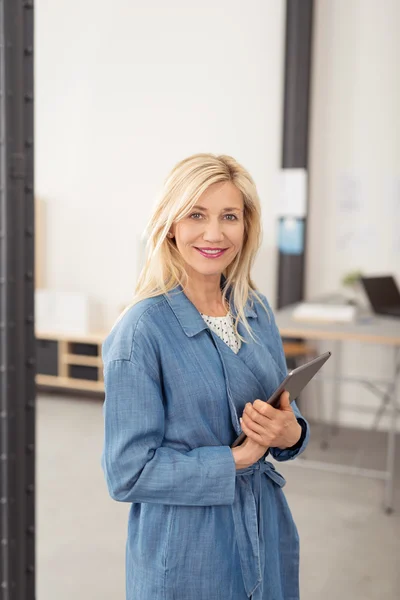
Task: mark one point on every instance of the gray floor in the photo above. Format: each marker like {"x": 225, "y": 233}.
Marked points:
{"x": 350, "y": 548}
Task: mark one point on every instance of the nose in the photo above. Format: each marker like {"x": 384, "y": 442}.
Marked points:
{"x": 213, "y": 232}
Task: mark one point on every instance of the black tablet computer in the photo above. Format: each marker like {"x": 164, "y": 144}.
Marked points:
{"x": 294, "y": 382}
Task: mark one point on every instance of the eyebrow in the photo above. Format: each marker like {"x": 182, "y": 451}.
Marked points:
{"x": 234, "y": 208}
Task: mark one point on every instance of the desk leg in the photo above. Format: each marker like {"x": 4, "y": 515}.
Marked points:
{"x": 331, "y": 425}
{"x": 337, "y": 366}
{"x": 391, "y": 445}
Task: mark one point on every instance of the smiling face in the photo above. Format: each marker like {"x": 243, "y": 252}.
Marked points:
{"x": 211, "y": 236}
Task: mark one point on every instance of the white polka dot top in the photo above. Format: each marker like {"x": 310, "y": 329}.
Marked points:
{"x": 224, "y": 327}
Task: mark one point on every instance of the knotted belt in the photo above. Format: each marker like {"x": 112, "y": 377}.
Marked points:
{"x": 247, "y": 516}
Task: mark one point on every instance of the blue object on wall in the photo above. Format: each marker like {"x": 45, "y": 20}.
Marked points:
{"x": 291, "y": 235}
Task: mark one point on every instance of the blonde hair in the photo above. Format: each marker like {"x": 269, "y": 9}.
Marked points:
{"x": 164, "y": 268}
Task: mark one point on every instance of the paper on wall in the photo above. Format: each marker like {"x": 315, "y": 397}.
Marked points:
{"x": 353, "y": 231}
{"x": 292, "y": 197}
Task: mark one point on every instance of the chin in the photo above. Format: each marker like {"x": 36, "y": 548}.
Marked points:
{"x": 213, "y": 273}
{"x": 205, "y": 270}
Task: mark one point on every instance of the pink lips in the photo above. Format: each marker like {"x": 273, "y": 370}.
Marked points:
{"x": 203, "y": 252}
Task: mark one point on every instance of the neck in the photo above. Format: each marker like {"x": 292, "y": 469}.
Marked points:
{"x": 205, "y": 293}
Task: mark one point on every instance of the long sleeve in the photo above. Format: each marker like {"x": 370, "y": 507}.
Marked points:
{"x": 291, "y": 453}
{"x": 137, "y": 467}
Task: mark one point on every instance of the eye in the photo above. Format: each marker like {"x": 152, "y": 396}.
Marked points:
{"x": 231, "y": 217}
{"x": 195, "y": 216}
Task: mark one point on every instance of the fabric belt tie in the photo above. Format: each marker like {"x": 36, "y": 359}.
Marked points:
{"x": 247, "y": 516}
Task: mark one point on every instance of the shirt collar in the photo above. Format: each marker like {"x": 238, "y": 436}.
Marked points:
{"x": 189, "y": 317}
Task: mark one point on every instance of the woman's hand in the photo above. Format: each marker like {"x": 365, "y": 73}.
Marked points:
{"x": 271, "y": 427}
{"x": 248, "y": 453}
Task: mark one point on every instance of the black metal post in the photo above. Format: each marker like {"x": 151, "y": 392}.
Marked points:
{"x": 293, "y": 219}
{"x": 17, "y": 342}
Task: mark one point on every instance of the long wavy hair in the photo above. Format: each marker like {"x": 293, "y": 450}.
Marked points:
{"x": 164, "y": 267}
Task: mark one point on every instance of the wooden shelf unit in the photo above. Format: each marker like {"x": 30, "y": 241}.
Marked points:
{"x": 74, "y": 361}
{"x": 70, "y": 361}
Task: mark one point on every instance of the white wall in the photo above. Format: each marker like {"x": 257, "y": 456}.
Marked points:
{"x": 355, "y": 139}
{"x": 355, "y": 160}
{"x": 122, "y": 94}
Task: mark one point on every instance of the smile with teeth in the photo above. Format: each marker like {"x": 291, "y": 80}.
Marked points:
{"x": 212, "y": 252}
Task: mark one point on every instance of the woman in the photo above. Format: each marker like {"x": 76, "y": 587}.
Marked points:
{"x": 187, "y": 368}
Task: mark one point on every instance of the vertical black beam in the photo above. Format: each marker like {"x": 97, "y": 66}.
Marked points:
{"x": 17, "y": 347}
{"x": 292, "y": 235}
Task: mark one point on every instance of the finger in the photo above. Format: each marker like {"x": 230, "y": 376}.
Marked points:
{"x": 255, "y": 415}
{"x": 251, "y": 434}
{"x": 284, "y": 401}
{"x": 253, "y": 425}
{"x": 263, "y": 408}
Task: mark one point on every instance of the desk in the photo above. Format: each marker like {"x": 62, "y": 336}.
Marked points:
{"x": 370, "y": 330}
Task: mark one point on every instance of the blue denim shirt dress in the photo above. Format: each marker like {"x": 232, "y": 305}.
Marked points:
{"x": 174, "y": 392}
